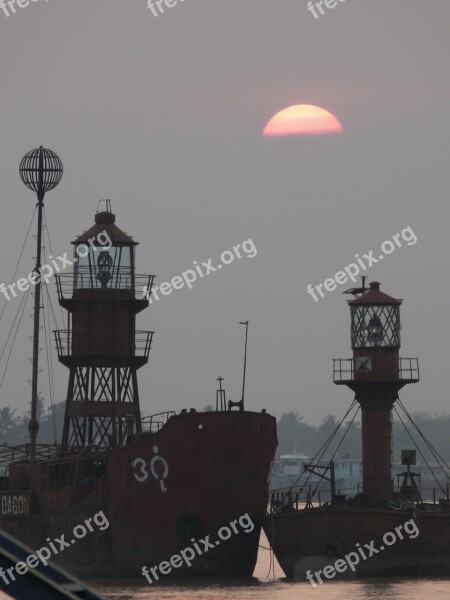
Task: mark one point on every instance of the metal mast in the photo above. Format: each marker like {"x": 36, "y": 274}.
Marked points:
{"x": 245, "y": 361}
{"x": 40, "y": 170}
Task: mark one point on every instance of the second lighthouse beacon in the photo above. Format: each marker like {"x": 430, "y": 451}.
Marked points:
{"x": 376, "y": 373}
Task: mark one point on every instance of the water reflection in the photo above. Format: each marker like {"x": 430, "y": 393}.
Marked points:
{"x": 279, "y": 588}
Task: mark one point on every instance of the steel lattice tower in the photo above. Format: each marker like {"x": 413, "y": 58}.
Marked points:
{"x": 101, "y": 346}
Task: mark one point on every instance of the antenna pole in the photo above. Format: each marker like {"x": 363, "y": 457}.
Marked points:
{"x": 245, "y": 361}
{"x": 33, "y": 425}
{"x": 220, "y": 396}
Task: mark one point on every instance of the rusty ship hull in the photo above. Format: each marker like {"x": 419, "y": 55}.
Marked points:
{"x": 313, "y": 538}
{"x": 195, "y": 475}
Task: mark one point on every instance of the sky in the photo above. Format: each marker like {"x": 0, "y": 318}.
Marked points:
{"x": 164, "y": 116}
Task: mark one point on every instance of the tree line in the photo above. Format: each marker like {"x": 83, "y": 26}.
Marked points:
{"x": 294, "y": 435}
{"x": 14, "y": 427}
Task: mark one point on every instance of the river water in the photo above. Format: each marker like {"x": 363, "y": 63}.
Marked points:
{"x": 262, "y": 587}
{"x": 265, "y": 586}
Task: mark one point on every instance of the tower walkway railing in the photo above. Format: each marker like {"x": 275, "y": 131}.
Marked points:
{"x": 69, "y": 283}
{"x": 344, "y": 370}
{"x": 86, "y": 342}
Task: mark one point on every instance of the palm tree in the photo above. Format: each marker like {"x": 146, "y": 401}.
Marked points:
{"x": 7, "y": 420}
{"x": 289, "y": 428}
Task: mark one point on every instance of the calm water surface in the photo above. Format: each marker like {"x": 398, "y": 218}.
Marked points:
{"x": 262, "y": 587}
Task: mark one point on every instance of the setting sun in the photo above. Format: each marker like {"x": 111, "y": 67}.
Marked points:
{"x": 302, "y": 119}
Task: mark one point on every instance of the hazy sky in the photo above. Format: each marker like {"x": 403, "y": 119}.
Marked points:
{"x": 163, "y": 115}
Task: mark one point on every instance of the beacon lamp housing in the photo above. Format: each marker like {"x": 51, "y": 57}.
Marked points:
{"x": 375, "y": 340}
{"x": 104, "y": 267}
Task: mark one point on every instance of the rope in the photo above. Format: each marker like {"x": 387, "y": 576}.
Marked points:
{"x": 322, "y": 449}
{"x": 433, "y": 450}
{"x": 51, "y": 252}
{"x": 23, "y": 304}
{"x": 264, "y": 547}
{"x": 50, "y": 367}
{"x": 19, "y": 259}
{"x": 340, "y": 443}
{"x": 271, "y": 560}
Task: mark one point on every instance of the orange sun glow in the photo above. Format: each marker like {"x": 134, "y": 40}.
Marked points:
{"x": 302, "y": 119}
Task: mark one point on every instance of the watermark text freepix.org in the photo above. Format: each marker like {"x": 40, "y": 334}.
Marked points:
{"x": 316, "y": 7}
{"x": 353, "y": 558}
{"x": 9, "y": 6}
{"x": 152, "y": 4}
{"x": 47, "y": 271}
{"x": 187, "y": 555}
{"x": 190, "y": 276}
{"x": 352, "y": 270}
{"x": 44, "y": 554}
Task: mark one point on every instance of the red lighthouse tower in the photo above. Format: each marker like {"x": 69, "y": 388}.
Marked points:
{"x": 101, "y": 347}
{"x": 376, "y": 373}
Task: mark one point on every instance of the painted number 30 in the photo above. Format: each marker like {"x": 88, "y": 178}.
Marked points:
{"x": 158, "y": 466}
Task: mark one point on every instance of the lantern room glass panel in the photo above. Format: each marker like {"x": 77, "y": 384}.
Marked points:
{"x": 375, "y": 326}
{"x": 100, "y": 267}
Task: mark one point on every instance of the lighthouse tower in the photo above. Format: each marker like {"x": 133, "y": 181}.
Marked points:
{"x": 376, "y": 373}
{"x": 101, "y": 347}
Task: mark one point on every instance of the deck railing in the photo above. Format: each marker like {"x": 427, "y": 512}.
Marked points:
{"x": 21, "y": 453}
{"x": 289, "y": 499}
{"x": 154, "y": 423}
